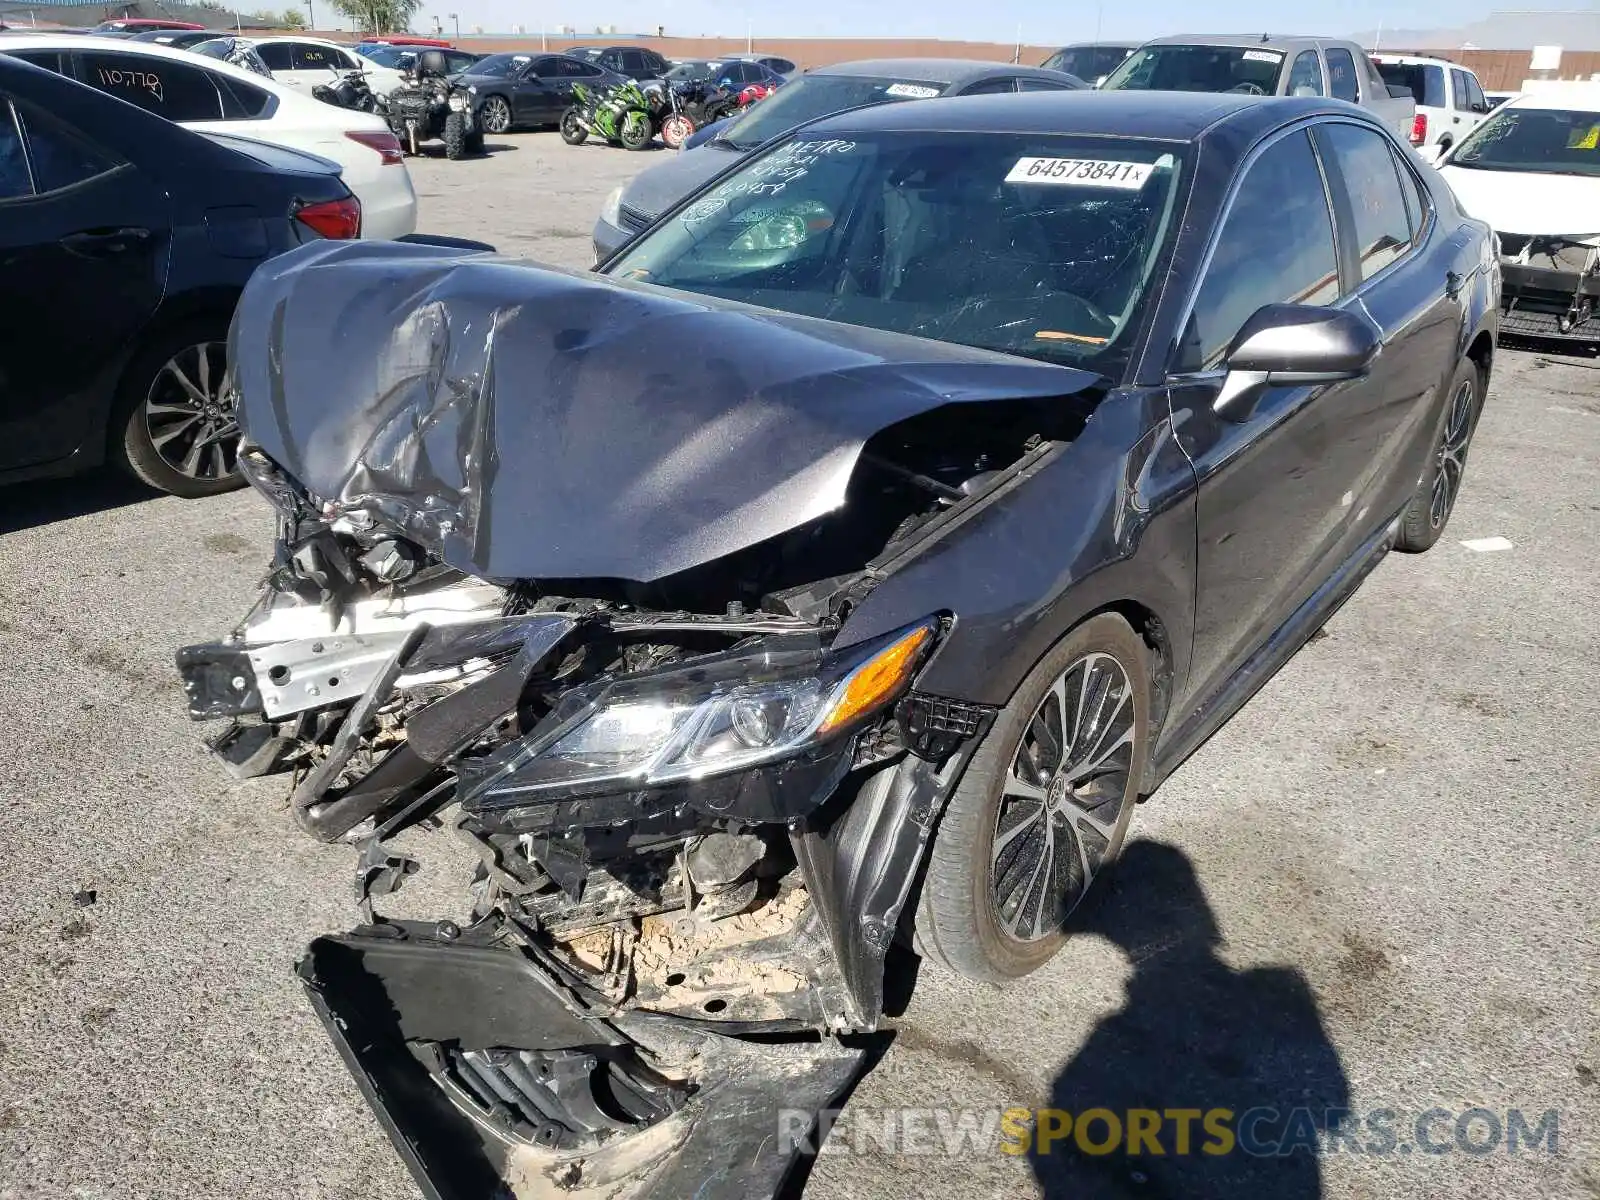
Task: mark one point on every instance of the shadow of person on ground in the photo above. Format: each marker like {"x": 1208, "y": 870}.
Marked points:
{"x": 26, "y": 505}
{"x": 1194, "y": 1034}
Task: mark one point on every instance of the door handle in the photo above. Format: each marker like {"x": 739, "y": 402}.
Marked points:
{"x": 1452, "y": 284}
{"x": 102, "y": 242}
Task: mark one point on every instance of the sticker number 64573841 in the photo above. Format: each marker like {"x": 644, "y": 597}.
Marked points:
{"x": 1081, "y": 172}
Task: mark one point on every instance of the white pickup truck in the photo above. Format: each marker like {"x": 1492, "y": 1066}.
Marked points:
{"x": 1266, "y": 66}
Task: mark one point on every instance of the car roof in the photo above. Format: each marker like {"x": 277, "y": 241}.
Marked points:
{"x": 1165, "y": 116}
{"x": 1100, "y": 46}
{"x": 1249, "y": 41}
{"x": 56, "y": 41}
{"x": 1574, "y": 96}
{"x": 948, "y": 71}
{"x": 315, "y": 41}
{"x": 1417, "y": 60}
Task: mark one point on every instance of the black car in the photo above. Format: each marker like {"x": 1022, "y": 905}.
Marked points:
{"x": 845, "y": 560}
{"x": 180, "y": 39}
{"x": 124, "y": 242}
{"x": 717, "y": 147}
{"x": 631, "y": 62}
{"x": 528, "y": 91}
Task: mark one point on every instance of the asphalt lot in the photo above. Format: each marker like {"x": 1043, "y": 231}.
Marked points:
{"x": 1397, "y": 846}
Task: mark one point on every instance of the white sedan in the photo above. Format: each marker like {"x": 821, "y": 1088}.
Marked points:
{"x": 214, "y": 97}
{"x": 1532, "y": 170}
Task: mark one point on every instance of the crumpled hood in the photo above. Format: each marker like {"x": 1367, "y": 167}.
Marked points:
{"x": 1532, "y": 204}
{"x": 530, "y": 423}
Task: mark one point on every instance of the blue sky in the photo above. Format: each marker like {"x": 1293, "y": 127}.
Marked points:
{"x": 1042, "y": 21}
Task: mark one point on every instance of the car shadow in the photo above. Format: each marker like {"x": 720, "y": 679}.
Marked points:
{"x": 27, "y": 505}
{"x": 1194, "y": 1036}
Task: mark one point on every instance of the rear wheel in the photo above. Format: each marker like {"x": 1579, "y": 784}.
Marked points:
{"x": 1435, "y": 498}
{"x": 455, "y": 136}
{"x": 572, "y": 132}
{"x": 1043, "y": 807}
{"x": 637, "y": 131}
{"x": 175, "y": 426}
{"x": 495, "y": 115}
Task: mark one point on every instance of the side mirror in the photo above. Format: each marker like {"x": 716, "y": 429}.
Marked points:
{"x": 1295, "y": 345}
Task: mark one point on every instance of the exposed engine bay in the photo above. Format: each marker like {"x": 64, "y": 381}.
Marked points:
{"x": 697, "y": 811}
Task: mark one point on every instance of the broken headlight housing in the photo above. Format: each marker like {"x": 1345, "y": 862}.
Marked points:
{"x": 716, "y": 715}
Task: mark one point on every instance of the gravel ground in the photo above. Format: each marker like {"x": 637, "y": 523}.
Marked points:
{"x": 1382, "y": 879}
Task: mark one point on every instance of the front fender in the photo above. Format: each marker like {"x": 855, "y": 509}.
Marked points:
{"x": 1106, "y": 521}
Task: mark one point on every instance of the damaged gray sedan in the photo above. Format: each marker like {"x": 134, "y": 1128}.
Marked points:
{"x": 838, "y": 566}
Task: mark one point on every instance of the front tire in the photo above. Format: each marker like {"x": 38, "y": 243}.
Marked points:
{"x": 572, "y": 133}
{"x": 676, "y": 130}
{"x": 174, "y": 426}
{"x": 637, "y": 131}
{"x": 1425, "y": 517}
{"x": 495, "y": 115}
{"x": 455, "y": 136}
{"x": 1043, "y": 807}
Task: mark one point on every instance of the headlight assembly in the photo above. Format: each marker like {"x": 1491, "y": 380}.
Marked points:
{"x": 611, "y": 210}
{"x": 715, "y": 716}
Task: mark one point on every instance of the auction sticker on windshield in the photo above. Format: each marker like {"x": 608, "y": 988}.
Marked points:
{"x": 1081, "y": 172}
{"x": 912, "y": 91}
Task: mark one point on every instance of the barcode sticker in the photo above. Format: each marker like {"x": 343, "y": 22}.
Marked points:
{"x": 1262, "y": 56}
{"x": 1081, "y": 172}
{"x": 912, "y": 91}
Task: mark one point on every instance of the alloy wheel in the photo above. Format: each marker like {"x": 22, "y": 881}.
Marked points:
{"x": 1061, "y": 798}
{"x": 190, "y": 419}
{"x": 496, "y": 115}
{"x": 1450, "y": 463}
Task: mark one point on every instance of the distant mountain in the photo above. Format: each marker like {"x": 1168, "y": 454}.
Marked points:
{"x": 1508, "y": 30}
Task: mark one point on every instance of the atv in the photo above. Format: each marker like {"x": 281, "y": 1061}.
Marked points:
{"x": 426, "y": 105}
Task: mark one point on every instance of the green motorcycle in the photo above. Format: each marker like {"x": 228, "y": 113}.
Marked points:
{"x": 623, "y": 115}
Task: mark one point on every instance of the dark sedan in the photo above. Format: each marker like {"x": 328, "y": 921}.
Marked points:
{"x": 124, "y": 241}
{"x": 528, "y": 91}
{"x": 845, "y": 560}
{"x": 819, "y": 93}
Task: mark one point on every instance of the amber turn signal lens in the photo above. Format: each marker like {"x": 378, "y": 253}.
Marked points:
{"x": 876, "y": 681}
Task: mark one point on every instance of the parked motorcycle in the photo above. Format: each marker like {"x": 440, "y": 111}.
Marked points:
{"x": 623, "y": 115}
{"x": 348, "y": 89}
{"x": 426, "y": 105}
{"x": 691, "y": 105}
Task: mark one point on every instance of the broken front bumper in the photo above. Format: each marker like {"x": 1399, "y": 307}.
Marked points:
{"x": 493, "y": 1074}
{"x": 1550, "y": 286}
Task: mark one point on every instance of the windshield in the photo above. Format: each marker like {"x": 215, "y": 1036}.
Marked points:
{"x": 1424, "y": 81}
{"x": 1546, "y": 140}
{"x": 1087, "y": 62}
{"x": 498, "y": 65}
{"x": 815, "y": 96}
{"x": 384, "y": 56}
{"x": 692, "y": 72}
{"x": 1199, "y": 69}
{"x": 1033, "y": 244}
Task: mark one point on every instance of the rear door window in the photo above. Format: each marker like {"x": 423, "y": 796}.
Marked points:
{"x": 633, "y": 63}
{"x": 1478, "y": 103}
{"x": 1463, "y": 90}
{"x": 1383, "y": 227}
{"x": 279, "y": 56}
{"x": 60, "y": 155}
{"x": 1275, "y": 247}
{"x": 1342, "y": 81}
{"x": 307, "y": 56}
{"x": 1029, "y": 83}
{"x": 174, "y": 90}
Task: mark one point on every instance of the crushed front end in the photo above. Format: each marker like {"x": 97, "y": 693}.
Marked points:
{"x": 1550, "y": 285}
{"x": 596, "y": 630}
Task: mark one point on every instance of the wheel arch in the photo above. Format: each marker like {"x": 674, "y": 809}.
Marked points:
{"x": 186, "y": 307}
